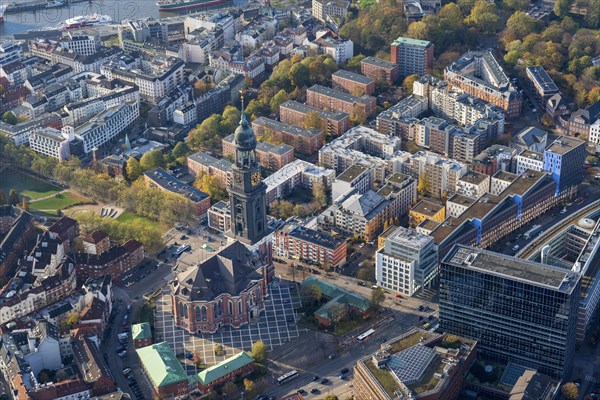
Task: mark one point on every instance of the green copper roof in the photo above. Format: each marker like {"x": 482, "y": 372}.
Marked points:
{"x": 337, "y": 295}
{"x": 162, "y": 366}
{"x": 141, "y": 331}
{"x": 410, "y": 41}
{"x": 218, "y": 371}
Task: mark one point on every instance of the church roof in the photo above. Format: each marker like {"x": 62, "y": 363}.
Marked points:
{"x": 229, "y": 271}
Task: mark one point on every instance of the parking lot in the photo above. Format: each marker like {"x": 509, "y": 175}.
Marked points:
{"x": 275, "y": 327}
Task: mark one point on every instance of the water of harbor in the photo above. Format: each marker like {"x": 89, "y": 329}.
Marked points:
{"x": 50, "y": 17}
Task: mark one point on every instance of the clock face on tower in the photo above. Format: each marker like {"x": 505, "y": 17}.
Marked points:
{"x": 256, "y": 178}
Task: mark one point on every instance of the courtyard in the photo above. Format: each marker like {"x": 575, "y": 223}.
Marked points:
{"x": 275, "y": 327}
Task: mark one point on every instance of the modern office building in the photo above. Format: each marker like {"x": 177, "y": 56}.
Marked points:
{"x": 564, "y": 159}
{"x": 407, "y": 262}
{"x": 412, "y": 55}
{"x": 517, "y": 310}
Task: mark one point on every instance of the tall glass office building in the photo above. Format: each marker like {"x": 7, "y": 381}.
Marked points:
{"x": 517, "y": 310}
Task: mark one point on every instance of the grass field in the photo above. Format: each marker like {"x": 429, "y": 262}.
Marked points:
{"x": 25, "y": 185}
{"x": 128, "y": 216}
{"x": 59, "y": 202}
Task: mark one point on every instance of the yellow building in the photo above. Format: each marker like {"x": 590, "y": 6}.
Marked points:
{"x": 426, "y": 210}
{"x": 384, "y": 235}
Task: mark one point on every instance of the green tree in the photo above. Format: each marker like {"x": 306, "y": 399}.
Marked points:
{"x": 485, "y": 17}
{"x": 591, "y": 159}
{"x": 319, "y": 193}
{"x": 152, "y": 159}
{"x": 562, "y": 7}
{"x": 377, "y": 297}
{"x": 133, "y": 169}
{"x": 181, "y": 149}
{"x": 219, "y": 350}
{"x": 354, "y": 62}
{"x": 13, "y": 197}
{"x": 516, "y": 4}
{"x": 10, "y": 118}
{"x": 259, "y": 351}
{"x": 230, "y": 389}
{"x": 592, "y": 18}
{"x": 418, "y": 30}
{"x": 408, "y": 82}
{"x": 313, "y": 120}
{"x": 593, "y": 95}
{"x": 522, "y": 24}
{"x": 229, "y": 120}
{"x": 210, "y": 185}
{"x": 570, "y": 391}
{"x": 366, "y": 272}
{"x": 281, "y": 97}
{"x": 206, "y": 135}
{"x": 423, "y": 186}
{"x": 357, "y": 116}
{"x": 299, "y": 75}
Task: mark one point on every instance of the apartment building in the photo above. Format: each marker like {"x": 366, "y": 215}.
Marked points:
{"x": 157, "y": 362}
{"x": 50, "y": 142}
{"x": 340, "y": 50}
{"x": 323, "y": 10}
{"x": 473, "y": 184}
{"x": 379, "y": 69}
{"x": 297, "y": 242}
{"x": 479, "y": 74}
{"x": 493, "y": 159}
{"x": 502, "y": 179}
{"x": 544, "y": 87}
{"x": 413, "y": 56}
{"x": 580, "y": 121}
{"x": 401, "y": 118}
{"x": 294, "y": 113}
{"x": 530, "y": 314}
{"x": 105, "y": 126}
{"x": 353, "y": 83}
{"x": 325, "y": 98}
{"x": 441, "y": 173}
{"x": 164, "y": 181}
{"x": 298, "y": 173}
{"x": 219, "y": 216}
{"x": 9, "y": 52}
{"x": 271, "y": 157}
{"x": 425, "y": 210}
{"x": 306, "y": 141}
{"x": 357, "y": 177}
{"x": 407, "y": 262}
{"x": 155, "y": 79}
{"x": 456, "y": 205}
{"x": 202, "y": 163}
{"x": 594, "y": 136}
{"x": 528, "y": 159}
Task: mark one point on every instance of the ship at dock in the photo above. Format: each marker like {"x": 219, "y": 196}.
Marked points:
{"x": 83, "y": 21}
{"x": 183, "y": 5}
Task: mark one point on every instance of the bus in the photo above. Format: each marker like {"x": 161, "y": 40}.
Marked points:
{"x": 183, "y": 248}
{"x": 287, "y": 377}
{"x": 531, "y": 232}
{"x": 365, "y": 335}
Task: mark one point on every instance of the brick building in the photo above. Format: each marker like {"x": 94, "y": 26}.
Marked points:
{"x": 413, "y": 56}
{"x": 93, "y": 369}
{"x": 333, "y": 100}
{"x": 141, "y": 335}
{"x": 163, "y": 370}
{"x": 294, "y": 113}
{"x": 96, "y": 242}
{"x": 295, "y": 241}
{"x": 114, "y": 262}
{"x": 235, "y": 367}
{"x": 353, "y": 83}
{"x": 379, "y": 69}
{"x": 164, "y": 181}
{"x": 307, "y": 141}
{"x": 272, "y": 157}
{"x": 202, "y": 163}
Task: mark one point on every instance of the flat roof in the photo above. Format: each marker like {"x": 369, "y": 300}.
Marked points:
{"x": 564, "y": 144}
{"x": 474, "y": 177}
{"x": 461, "y": 199}
{"x": 411, "y": 42}
{"x": 351, "y": 173}
{"x": 397, "y": 178}
{"x": 164, "y": 179}
{"x": 408, "y": 237}
{"x": 534, "y": 155}
{"x": 353, "y": 76}
{"x": 285, "y": 128}
{"x": 525, "y": 182}
{"x": 347, "y": 97}
{"x": 541, "y": 78}
{"x": 427, "y": 208}
{"x": 505, "y": 176}
{"x": 379, "y": 62}
{"x": 513, "y": 268}
{"x": 305, "y": 108}
{"x": 429, "y": 224}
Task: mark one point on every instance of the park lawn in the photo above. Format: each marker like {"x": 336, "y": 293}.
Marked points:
{"x": 26, "y": 185}
{"x": 129, "y": 216}
{"x": 58, "y": 202}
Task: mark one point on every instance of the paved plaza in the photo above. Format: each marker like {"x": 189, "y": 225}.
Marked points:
{"x": 275, "y": 327}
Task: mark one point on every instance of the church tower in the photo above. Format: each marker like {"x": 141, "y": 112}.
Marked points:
{"x": 247, "y": 191}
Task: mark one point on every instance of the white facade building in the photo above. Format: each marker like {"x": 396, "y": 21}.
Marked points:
{"x": 529, "y": 160}
{"x": 51, "y": 142}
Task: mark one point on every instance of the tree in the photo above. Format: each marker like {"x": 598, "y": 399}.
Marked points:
{"x": 229, "y": 389}
{"x": 522, "y": 24}
{"x": 180, "y": 150}
{"x": 485, "y": 17}
{"x": 198, "y": 360}
{"x": 329, "y": 397}
{"x": 593, "y": 95}
{"x": 423, "y": 186}
{"x": 248, "y": 385}
{"x": 313, "y": 120}
{"x": 408, "y": 83}
{"x": 354, "y": 63}
{"x": 418, "y": 30}
{"x": 591, "y": 159}
{"x": 593, "y": 16}
{"x": 72, "y": 319}
{"x": 547, "y": 120}
{"x": 377, "y": 297}
{"x": 202, "y": 86}
{"x": 357, "y": 116}
{"x": 13, "y": 197}
{"x": 259, "y": 351}
{"x": 570, "y": 391}
{"x": 151, "y": 160}
{"x": 516, "y": 4}
{"x": 210, "y": 185}
{"x": 281, "y": 97}
{"x": 366, "y": 272}
{"x": 10, "y": 118}
{"x": 133, "y": 169}
{"x": 299, "y": 75}
{"x": 319, "y": 194}
{"x": 562, "y": 7}
{"x": 219, "y": 351}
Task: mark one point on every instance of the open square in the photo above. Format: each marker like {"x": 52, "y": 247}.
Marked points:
{"x": 272, "y": 327}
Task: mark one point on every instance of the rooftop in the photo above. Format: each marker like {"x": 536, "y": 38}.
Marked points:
{"x": 379, "y": 62}
{"x": 427, "y": 208}
{"x": 161, "y": 365}
{"x": 341, "y": 73}
{"x": 512, "y": 268}
{"x": 542, "y": 79}
{"x": 294, "y": 229}
{"x": 339, "y": 294}
{"x": 474, "y": 177}
{"x": 410, "y": 42}
{"x": 305, "y": 108}
{"x": 564, "y": 144}
{"x": 224, "y": 368}
{"x": 280, "y": 126}
{"x": 141, "y": 331}
{"x": 429, "y": 224}
{"x": 352, "y": 172}
{"x": 168, "y": 182}
{"x": 505, "y": 176}
{"x": 461, "y": 199}
{"x": 407, "y": 237}
{"x": 325, "y": 91}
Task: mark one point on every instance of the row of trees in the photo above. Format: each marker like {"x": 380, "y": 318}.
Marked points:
{"x": 208, "y": 134}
